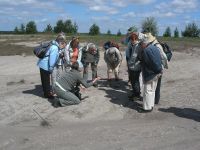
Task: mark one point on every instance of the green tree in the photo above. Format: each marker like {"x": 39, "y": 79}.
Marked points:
{"x": 176, "y": 33}
{"x": 167, "y": 32}
{"x": 191, "y": 30}
{"x": 119, "y": 33}
{"x": 75, "y": 28}
{"x": 31, "y": 27}
{"x": 16, "y": 30}
{"x": 94, "y": 30}
{"x": 108, "y": 32}
{"x": 59, "y": 26}
{"x": 150, "y": 25}
{"x": 48, "y": 29}
{"x": 68, "y": 26}
{"x": 22, "y": 29}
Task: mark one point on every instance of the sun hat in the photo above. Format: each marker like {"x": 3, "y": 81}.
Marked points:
{"x": 148, "y": 38}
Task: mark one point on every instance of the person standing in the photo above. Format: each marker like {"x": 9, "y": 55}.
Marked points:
{"x": 90, "y": 55}
{"x": 75, "y": 52}
{"x": 164, "y": 61}
{"x": 134, "y": 66}
{"x": 151, "y": 70}
{"x": 60, "y": 63}
{"x": 48, "y": 63}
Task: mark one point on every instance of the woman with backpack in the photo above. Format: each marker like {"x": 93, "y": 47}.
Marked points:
{"x": 48, "y": 62}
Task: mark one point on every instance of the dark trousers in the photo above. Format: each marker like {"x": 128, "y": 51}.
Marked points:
{"x": 157, "y": 93}
{"x": 134, "y": 78}
{"x": 45, "y": 79}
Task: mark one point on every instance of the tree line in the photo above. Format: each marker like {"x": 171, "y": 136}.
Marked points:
{"x": 149, "y": 24}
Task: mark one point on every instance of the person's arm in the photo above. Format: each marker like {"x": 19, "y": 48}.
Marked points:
{"x": 53, "y": 57}
{"x": 84, "y": 51}
{"x": 66, "y": 54}
{"x": 84, "y": 82}
{"x": 97, "y": 56}
{"x": 79, "y": 57}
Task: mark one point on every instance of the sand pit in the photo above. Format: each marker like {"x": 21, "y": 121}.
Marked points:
{"x": 104, "y": 120}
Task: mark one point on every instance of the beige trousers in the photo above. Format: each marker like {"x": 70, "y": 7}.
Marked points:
{"x": 149, "y": 94}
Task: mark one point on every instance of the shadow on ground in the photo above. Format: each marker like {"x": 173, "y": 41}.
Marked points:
{"x": 188, "y": 113}
{"x": 117, "y": 91}
{"x": 36, "y": 91}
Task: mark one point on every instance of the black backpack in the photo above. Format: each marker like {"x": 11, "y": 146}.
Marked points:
{"x": 166, "y": 49}
{"x": 41, "y": 50}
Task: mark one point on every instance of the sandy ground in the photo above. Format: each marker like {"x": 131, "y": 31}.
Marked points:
{"x": 104, "y": 120}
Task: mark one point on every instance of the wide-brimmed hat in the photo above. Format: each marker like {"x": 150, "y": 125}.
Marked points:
{"x": 148, "y": 38}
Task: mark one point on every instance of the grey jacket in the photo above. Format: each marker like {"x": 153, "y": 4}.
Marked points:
{"x": 69, "y": 80}
{"x": 134, "y": 63}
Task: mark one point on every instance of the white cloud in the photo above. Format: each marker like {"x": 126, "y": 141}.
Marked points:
{"x": 108, "y": 6}
{"x": 156, "y": 14}
{"x": 178, "y": 6}
{"x": 129, "y": 15}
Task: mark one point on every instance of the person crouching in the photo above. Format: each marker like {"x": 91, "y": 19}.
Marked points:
{"x": 66, "y": 88}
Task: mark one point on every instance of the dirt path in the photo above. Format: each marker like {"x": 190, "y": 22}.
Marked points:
{"x": 105, "y": 120}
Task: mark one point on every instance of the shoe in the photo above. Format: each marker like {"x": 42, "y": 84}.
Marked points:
{"x": 49, "y": 96}
{"x": 56, "y": 102}
{"x": 141, "y": 110}
{"x": 95, "y": 85}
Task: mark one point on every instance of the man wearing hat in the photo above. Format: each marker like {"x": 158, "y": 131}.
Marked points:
{"x": 151, "y": 70}
{"x": 90, "y": 55}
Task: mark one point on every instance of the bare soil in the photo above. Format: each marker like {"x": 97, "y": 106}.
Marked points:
{"x": 106, "y": 119}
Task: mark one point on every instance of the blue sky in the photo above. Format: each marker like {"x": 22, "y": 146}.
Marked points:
{"x": 107, "y": 14}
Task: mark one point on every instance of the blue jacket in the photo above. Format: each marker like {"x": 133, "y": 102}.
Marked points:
{"x": 48, "y": 63}
{"x": 151, "y": 62}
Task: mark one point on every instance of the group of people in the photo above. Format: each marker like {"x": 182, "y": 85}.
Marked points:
{"x": 146, "y": 62}
{"x": 61, "y": 75}
{"x": 60, "y": 70}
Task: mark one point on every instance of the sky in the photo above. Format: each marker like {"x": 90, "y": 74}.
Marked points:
{"x": 113, "y": 15}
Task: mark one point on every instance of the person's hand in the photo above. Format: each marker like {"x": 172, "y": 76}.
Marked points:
{"x": 96, "y": 79}
{"x": 82, "y": 88}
